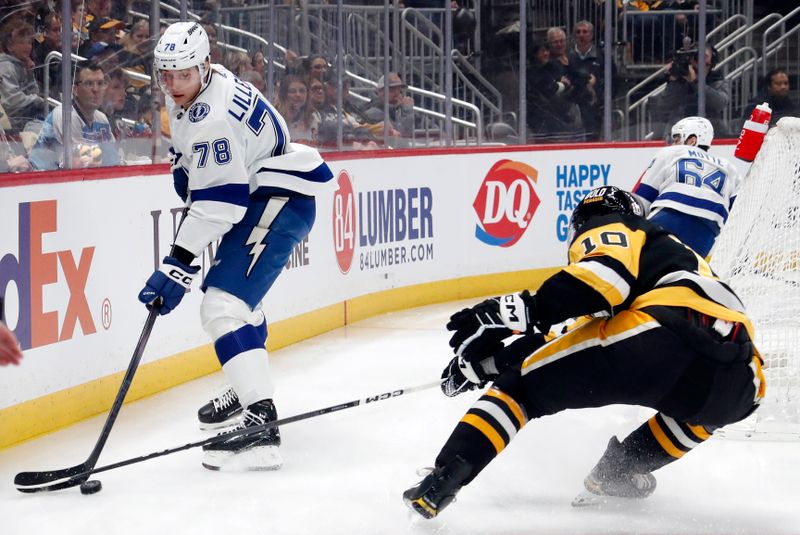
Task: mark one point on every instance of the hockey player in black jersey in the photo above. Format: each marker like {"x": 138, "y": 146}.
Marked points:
{"x": 658, "y": 329}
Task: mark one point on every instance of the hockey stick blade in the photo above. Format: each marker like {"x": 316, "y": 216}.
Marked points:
{"x": 38, "y": 481}
{"x": 71, "y": 477}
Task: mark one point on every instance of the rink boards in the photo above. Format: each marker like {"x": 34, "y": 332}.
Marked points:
{"x": 398, "y": 229}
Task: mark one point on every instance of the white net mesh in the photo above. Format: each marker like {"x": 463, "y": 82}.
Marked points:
{"x": 758, "y": 252}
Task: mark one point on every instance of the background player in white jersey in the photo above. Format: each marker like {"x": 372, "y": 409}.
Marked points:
{"x": 688, "y": 191}
{"x": 245, "y": 183}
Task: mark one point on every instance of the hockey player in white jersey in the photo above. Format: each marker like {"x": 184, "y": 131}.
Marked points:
{"x": 247, "y": 185}
{"x": 688, "y": 191}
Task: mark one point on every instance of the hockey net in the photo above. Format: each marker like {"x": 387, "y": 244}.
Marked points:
{"x": 758, "y": 253}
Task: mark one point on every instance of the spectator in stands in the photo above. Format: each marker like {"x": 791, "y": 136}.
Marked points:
{"x": 354, "y": 132}
{"x": 259, "y": 62}
{"x": 552, "y": 115}
{"x": 49, "y": 41}
{"x": 294, "y": 64}
{"x": 138, "y": 52}
{"x": 557, "y": 43}
{"x": 109, "y": 58}
{"x": 302, "y": 120}
{"x": 118, "y": 104}
{"x": 238, "y": 62}
{"x": 144, "y": 118}
{"x": 680, "y": 96}
{"x": 579, "y": 89}
{"x": 12, "y": 154}
{"x": 80, "y": 22}
{"x": 211, "y": 31}
{"x": 91, "y": 134}
{"x": 587, "y": 64}
{"x": 401, "y": 106}
{"x": 256, "y": 79}
{"x": 316, "y": 93}
{"x": 99, "y": 8}
{"x": 775, "y": 92}
{"x": 19, "y": 92}
{"x": 102, "y": 33}
{"x": 315, "y": 66}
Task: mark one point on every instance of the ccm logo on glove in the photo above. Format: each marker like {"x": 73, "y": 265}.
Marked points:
{"x": 180, "y": 277}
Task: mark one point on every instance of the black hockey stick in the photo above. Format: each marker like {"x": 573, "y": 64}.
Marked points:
{"x": 71, "y": 477}
{"x": 76, "y": 475}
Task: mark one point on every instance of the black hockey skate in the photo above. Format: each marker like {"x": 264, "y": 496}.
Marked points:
{"x": 257, "y": 451}
{"x": 438, "y": 489}
{"x": 222, "y": 411}
{"x": 610, "y": 478}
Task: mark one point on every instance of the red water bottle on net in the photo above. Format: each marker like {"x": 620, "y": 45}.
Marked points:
{"x": 753, "y": 132}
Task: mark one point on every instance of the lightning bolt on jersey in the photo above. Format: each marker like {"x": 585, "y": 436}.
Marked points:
{"x": 621, "y": 262}
{"x": 234, "y": 143}
{"x": 691, "y": 181}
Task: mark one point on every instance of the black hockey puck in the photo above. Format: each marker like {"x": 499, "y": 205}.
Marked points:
{"x": 91, "y": 487}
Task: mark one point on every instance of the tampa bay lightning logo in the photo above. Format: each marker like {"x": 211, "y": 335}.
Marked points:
{"x": 198, "y": 111}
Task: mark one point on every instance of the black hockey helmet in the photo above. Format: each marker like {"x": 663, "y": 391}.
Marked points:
{"x": 602, "y": 201}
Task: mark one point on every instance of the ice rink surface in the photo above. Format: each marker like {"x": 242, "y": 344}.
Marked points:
{"x": 344, "y": 473}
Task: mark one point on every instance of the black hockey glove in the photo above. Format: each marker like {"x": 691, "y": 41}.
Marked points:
{"x": 480, "y": 330}
{"x": 460, "y": 376}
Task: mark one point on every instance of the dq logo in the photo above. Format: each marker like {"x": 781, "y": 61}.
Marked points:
{"x": 344, "y": 222}
{"x": 35, "y": 269}
{"x": 506, "y": 203}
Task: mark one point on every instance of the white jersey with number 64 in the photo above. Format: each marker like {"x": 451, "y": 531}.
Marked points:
{"x": 691, "y": 181}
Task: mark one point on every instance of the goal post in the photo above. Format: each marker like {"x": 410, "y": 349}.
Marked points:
{"x": 758, "y": 254}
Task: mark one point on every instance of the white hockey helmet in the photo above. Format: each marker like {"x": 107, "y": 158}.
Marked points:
{"x": 182, "y": 46}
{"x": 694, "y": 126}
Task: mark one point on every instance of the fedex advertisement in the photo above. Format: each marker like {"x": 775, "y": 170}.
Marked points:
{"x": 33, "y": 268}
